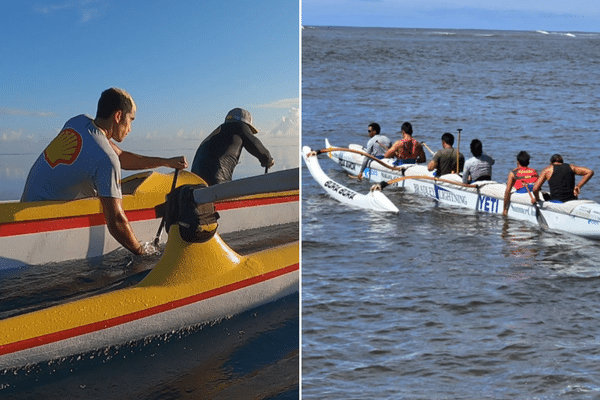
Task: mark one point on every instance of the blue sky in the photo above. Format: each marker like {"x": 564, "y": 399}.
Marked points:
{"x": 547, "y": 15}
{"x": 186, "y": 63}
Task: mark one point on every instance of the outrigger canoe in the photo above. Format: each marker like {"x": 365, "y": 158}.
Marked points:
{"x": 193, "y": 283}
{"x": 578, "y": 217}
{"x": 55, "y": 231}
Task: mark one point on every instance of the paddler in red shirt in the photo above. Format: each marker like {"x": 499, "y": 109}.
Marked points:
{"x": 519, "y": 178}
{"x": 407, "y": 150}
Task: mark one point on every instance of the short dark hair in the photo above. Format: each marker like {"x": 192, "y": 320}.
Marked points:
{"x": 523, "y": 158}
{"x": 375, "y": 127}
{"x": 448, "y": 138}
{"x": 407, "y": 127}
{"x": 112, "y": 100}
{"x": 476, "y": 147}
{"x": 556, "y": 158}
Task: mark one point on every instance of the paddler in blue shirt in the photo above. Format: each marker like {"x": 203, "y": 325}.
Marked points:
{"x": 83, "y": 161}
{"x": 561, "y": 179}
{"x": 376, "y": 146}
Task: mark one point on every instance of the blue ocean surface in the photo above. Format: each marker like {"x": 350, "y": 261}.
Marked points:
{"x": 439, "y": 302}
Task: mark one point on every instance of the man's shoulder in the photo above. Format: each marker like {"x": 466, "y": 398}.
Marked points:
{"x": 382, "y": 138}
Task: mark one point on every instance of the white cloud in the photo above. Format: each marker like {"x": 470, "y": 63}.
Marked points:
{"x": 6, "y": 112}
{"x": 10, "y": 135}
{"x": 283, "y": 103}
{"x": 87, "y": 9}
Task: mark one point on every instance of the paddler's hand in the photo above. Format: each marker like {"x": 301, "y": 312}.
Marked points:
{"x": 359, "y": 176}
{"x": 148, "y": 249}
{"x": 312, "y": 153}
{"x": 576, "y": 191}
{"x": 533, "y": 200}
{"x": 271, "y": 163}
{"x": 177, "y": 162}
{"x": 375, "y": 187}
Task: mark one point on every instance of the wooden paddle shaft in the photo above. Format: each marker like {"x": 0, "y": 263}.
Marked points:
{"x": 458, "y": 152}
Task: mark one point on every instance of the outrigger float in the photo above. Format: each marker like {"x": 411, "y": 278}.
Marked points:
{"x": 36, "y": 233}
{"x": 199, "y": 278}
{"x": 578, "y": 217}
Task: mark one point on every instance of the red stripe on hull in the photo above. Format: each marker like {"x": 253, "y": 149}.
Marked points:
{"x": 86, "y": 221}
{"x": 109, "y": 323}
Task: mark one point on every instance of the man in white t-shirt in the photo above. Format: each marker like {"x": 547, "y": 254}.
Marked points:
{"x": 82, "y": 161}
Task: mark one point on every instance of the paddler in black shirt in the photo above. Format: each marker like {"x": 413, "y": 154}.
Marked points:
{"x": 561, "y": 179}
{"x": 219, "y": 153}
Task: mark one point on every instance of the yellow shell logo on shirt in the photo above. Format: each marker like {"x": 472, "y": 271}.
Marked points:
{"x": 64, "y": 149}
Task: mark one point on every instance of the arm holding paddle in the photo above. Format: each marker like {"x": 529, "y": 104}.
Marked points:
{"x": 510, "y": 182}
{"x": 132, "y": 161}
{"x": 119, "y": 227}
{"x": 544, "y": 176}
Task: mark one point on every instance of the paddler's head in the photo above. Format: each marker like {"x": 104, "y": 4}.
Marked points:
{"x": 116, "y": 112}
{"x": 373, "y": 129}
{"x": 556, "y": 159}
{"x": 239, "y": 114}
{"x": 447, "y": 140}
{"x": 523, "y": 158}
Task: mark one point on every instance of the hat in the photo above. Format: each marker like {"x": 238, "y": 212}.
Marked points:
{"x": 239, "y": 114}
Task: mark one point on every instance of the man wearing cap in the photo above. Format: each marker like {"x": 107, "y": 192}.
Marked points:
{"x": 219, "y": 153}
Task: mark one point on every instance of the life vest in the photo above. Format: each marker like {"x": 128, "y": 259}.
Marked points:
{"x": 525, "y": 176}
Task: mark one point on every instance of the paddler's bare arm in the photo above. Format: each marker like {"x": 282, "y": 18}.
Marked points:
{"x": 545, "y": 175}
{"x": 118, "y": 224}
{"x": 510, "y": 182}
{"x": 392, "y": 150}
{"x": 587, "y": 175}
{"x": 132, "y": 161}
{"x": 432, "y": 165}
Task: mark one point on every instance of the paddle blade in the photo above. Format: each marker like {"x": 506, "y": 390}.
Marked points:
{"x": 540, "y": 218}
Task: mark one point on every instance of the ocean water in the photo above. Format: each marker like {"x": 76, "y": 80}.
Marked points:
{"x": 438, "y": 302}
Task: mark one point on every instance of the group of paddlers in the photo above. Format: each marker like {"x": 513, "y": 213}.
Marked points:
{"x": 560, "y": 175}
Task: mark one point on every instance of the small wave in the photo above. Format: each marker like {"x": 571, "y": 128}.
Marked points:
{"x": 569, "y": 35}
{"x": 542, "y": 32}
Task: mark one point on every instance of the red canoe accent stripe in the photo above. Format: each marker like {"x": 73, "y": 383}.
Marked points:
{"x": 109, "y": 323}
{"x": 228, "y": 205}
{"x": 85, "y": 221}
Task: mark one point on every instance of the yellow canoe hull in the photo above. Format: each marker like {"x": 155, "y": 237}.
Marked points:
{"x": 193, "y": 283}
